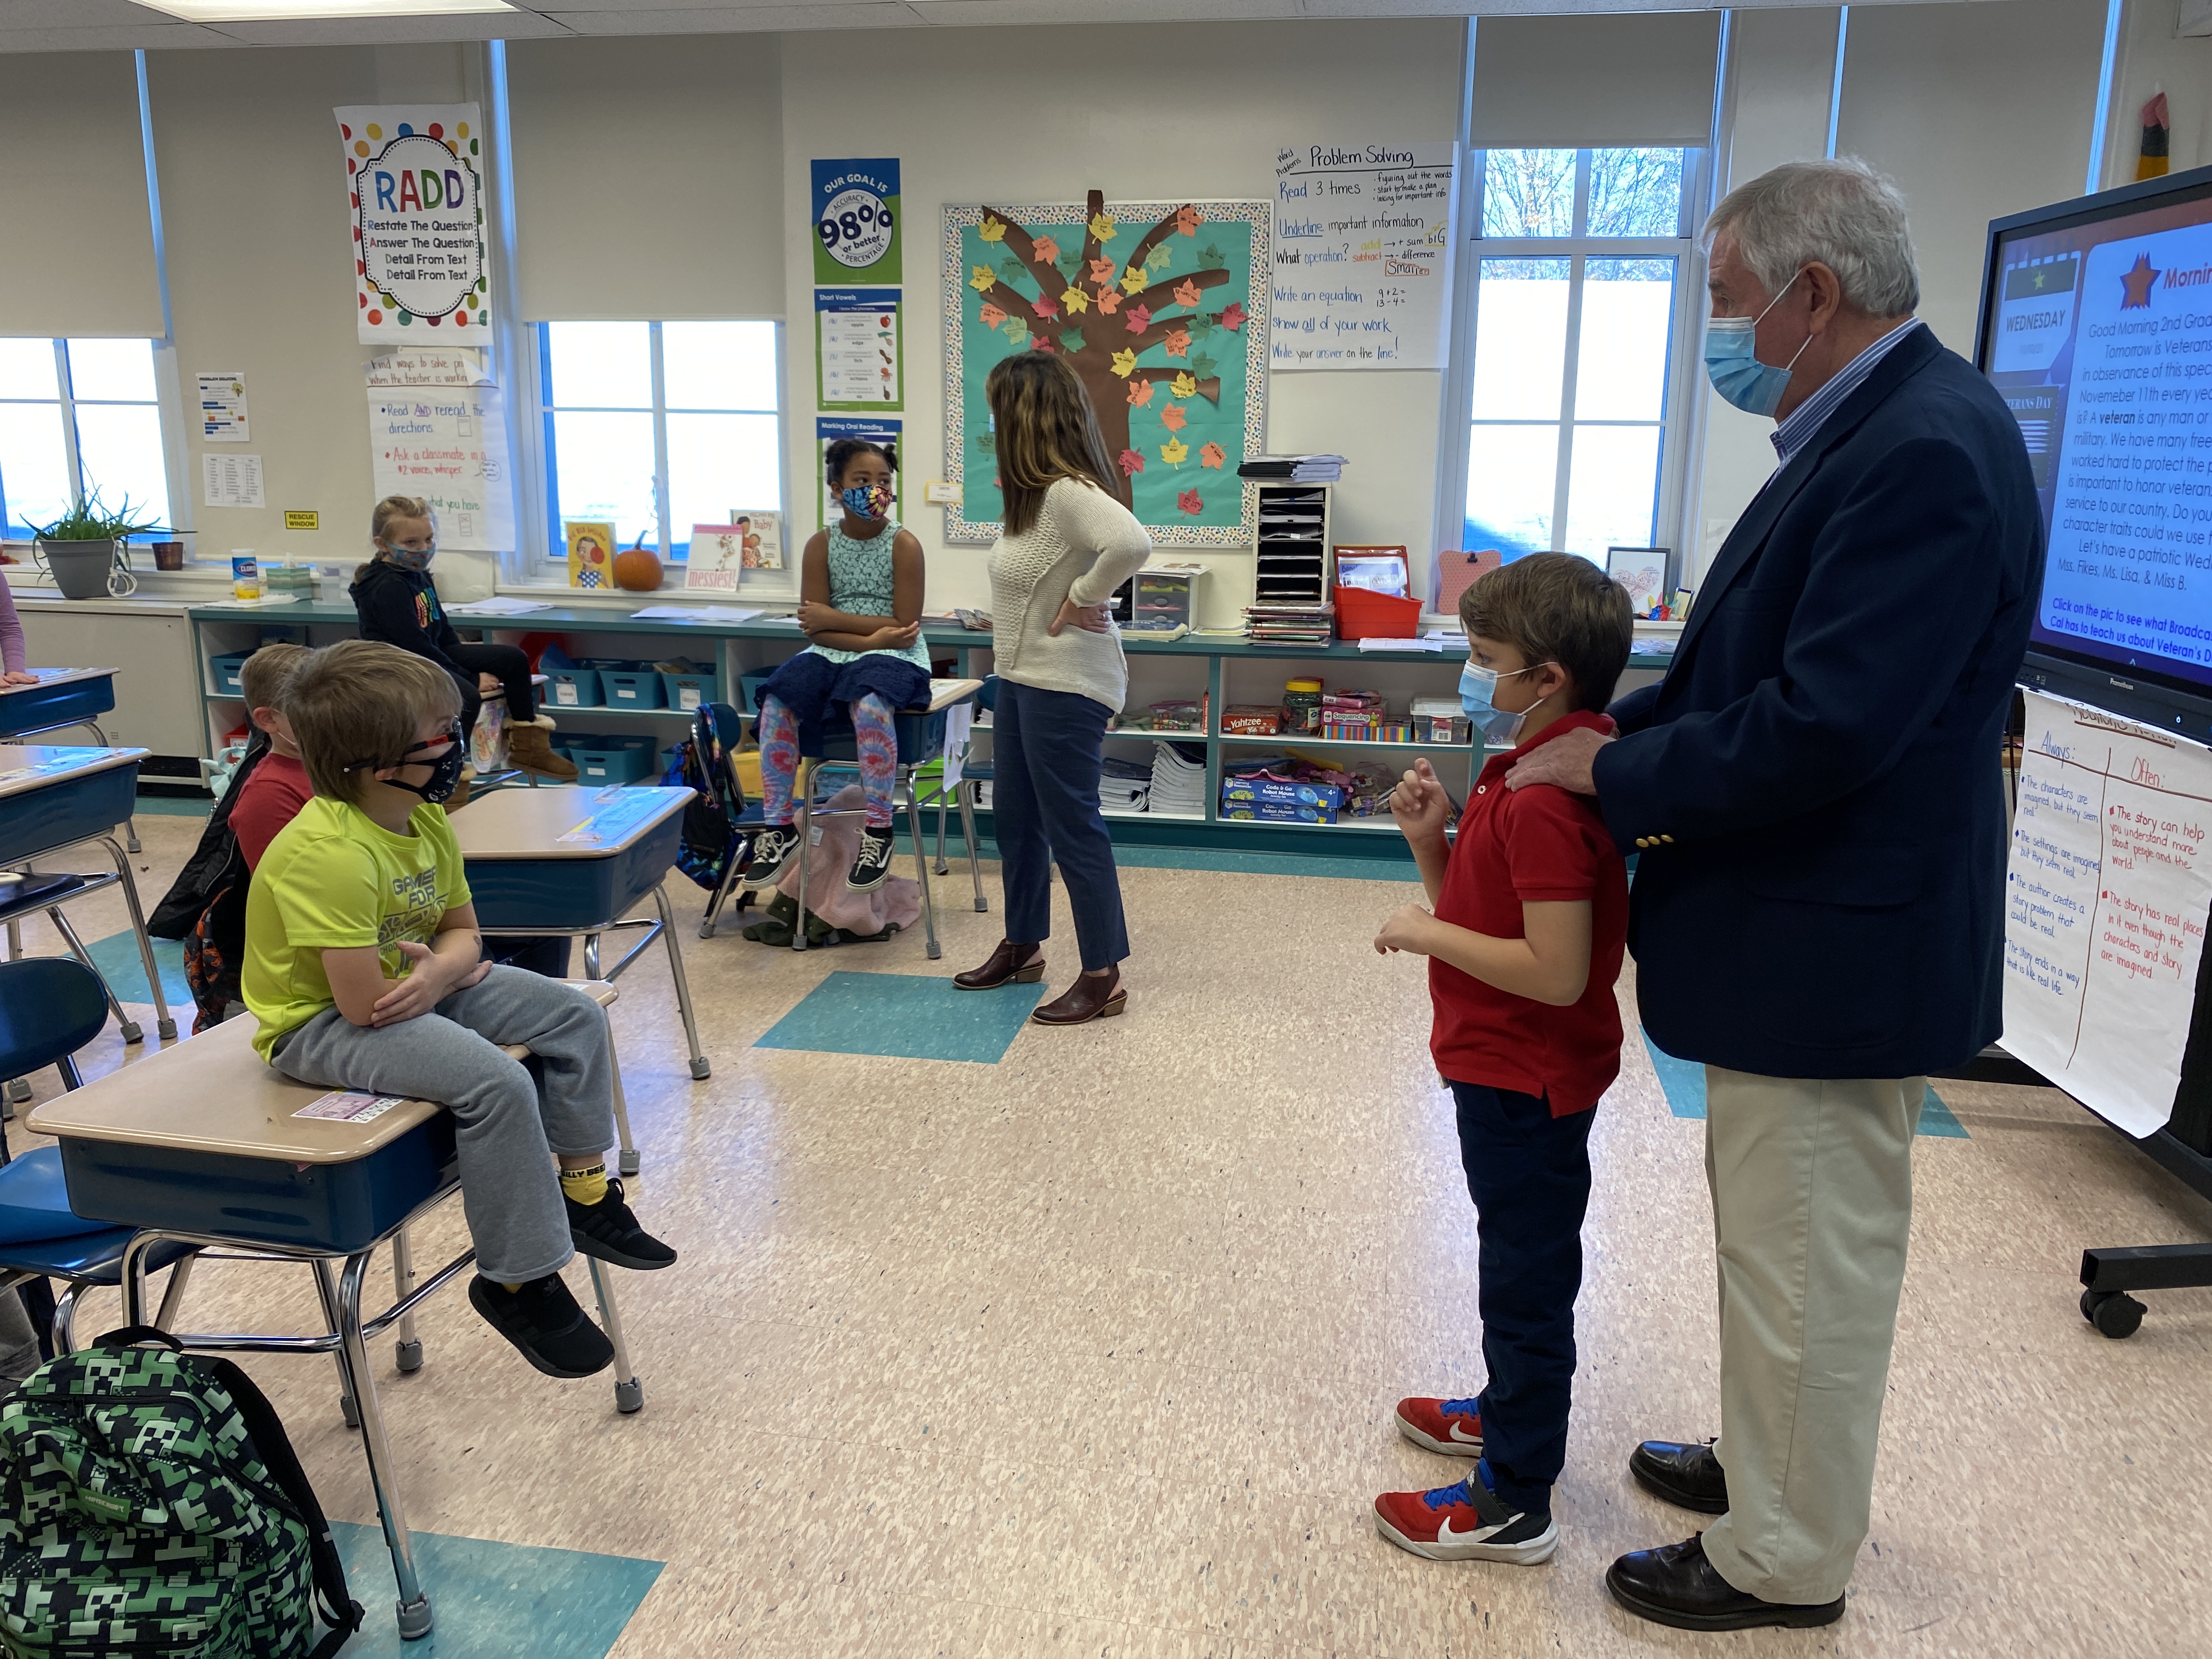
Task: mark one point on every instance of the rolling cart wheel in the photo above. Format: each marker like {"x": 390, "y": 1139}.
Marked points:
{"x": 2114, "y": 1313}
{"x": 629, "y": 1397}
{"x": 131, "y": 1031}
{"x": 629, "y": 1162}
{"x": 408, "y": 1356}
{"x": 700, "y": 1069}
{"x": 349, "y": 1410}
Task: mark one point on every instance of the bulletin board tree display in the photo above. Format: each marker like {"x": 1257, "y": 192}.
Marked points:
{"x": 1161, "y": 308}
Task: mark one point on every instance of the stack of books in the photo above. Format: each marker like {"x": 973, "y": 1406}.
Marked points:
{"x": 1284, "y": 623}
{"x": 1178, "y": 779}
{"x": 1124, "y": 784}
{"x": 1297, "y": 469}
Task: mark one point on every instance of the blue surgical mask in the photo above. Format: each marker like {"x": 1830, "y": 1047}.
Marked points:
{"x": 412, "y": 558}
{"x": 1735, "y": 370}
{"x": 1478, "y": 686}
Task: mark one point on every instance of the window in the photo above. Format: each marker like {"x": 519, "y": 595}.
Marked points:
{"x": 1579, "y": 296}
{"x": 79, "y": 418}
{"x": 657, "y": 427}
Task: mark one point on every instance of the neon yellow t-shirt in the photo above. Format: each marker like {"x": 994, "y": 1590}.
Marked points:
{"x": 334, "y": 879}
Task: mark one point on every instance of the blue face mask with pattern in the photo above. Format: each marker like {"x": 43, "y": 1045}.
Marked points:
{"x": 412, "y": 558}
{"x": 867, "y": 500}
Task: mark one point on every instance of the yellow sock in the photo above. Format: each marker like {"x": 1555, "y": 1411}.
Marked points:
{"x": 587, "y": 1186}
{"x": 509, "y": 1288}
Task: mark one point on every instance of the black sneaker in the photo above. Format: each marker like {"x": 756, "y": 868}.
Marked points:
{"x": 545, "y": 1325}
{"x": 608, "y": 1231}
{"x": 873, "y": 866}
{"x": 772, "y": 850}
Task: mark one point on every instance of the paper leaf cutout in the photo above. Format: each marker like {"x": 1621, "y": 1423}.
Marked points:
{"x": 1103, "y": 227}
{"x": 1185, "y": 292}
{"x": 1076, "y": 300}
{"x": 1201, "y": 326}
{"x": 1184, "y": 385}
{"x": 1125, "y": 364}
{"x": 1173, "y": 416}
{"x": 1175, "y": 451}
{"x": 992, "y": 315}
{"x": 1160, "y": 257}
{"x": 993, "y": 230}
{"x": 1187, "y": 220}
{"x": 1138, "y": 319}
{"x": 1068, "y": 265}
{"x": 1211, "y": 454}
{"x": 1210, "y": 257}
{"x": 986, "y": 442}
{"x": 1232, "y": 315}
{"x": 1045, "y": 306}
{"x": 1045, "y": 249}
{"x": 1131, "y": 462}
{"x": 1108, "y": 301}
{"x": 1071, "y": 339}
{"x": 1191, "y": 503}
{"x": 1203, "y": 367}
{"x": 1141, "y": 390}
{"x": 984, "y": 280}
{"x": 1040, "y": 343}
{"x": 1133, "y": 281}
{"x": 1015, "y": 329}
{"x": 1101, "y": 270}
{"x": 1013, "y": 268}
{"x": 1177, "y": 343}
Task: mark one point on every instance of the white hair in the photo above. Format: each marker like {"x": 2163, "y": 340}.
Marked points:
{"x": 1841, "y": 213}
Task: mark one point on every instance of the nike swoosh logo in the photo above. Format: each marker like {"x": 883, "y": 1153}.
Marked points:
{"x": 1472, "y": 1535}
{"x": 1461, "y": 1437}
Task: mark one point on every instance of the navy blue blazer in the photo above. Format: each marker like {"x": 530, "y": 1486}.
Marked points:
{"x": 1815, "y": 786}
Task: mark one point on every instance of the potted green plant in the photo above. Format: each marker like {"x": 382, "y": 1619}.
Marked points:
{"x": 84, "y": 548}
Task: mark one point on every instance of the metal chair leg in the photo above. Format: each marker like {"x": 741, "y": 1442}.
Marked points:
{"x": 131, "y": 1029}
{"x": 975, "y": 857}
{"x": 407, "y": 1349}
{"x": 163, "y": 1025}
{"x": 629, "y": 1161}
{"x": 942, "y": 868}
{"x": 630, "y": 1387}
{"x": 65, "y": 1319}
{"x": 802, "y": 792}
{"x": 172, "y": 1294}
{"x": 698, "y": 1067}
{"x": 327, "y": 1292}
{"x": 590, "y": 956}
{"x": 414, "y": 1617}
{"x": 922, "y": 872}
{"x": 718, "y": 898}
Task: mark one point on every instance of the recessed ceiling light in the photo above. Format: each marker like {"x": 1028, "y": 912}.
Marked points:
{"x": 286, "y": 11}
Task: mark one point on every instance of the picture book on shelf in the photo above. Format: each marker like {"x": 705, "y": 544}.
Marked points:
{"x": 591, "y": 553}
{"x": 718, "y": 553}
{"x": 762, "y": 533}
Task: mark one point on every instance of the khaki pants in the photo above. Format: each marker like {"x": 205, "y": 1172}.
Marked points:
{"x": 1812, "y": 1186}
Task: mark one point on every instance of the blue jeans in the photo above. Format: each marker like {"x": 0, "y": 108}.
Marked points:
{"x": 1529, "y": 1176}
{"x": 1047, "y": 749}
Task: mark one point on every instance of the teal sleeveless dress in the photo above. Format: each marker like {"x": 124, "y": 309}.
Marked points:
{"x": 822, "y": 677}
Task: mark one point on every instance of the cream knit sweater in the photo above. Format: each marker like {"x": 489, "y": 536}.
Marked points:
{"x": 1083, "y": 546}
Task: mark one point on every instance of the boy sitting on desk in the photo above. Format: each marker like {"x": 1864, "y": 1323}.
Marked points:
{"x": 362, "y": 964}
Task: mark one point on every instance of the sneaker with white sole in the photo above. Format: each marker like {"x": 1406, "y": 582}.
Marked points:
{"x": 873, "y": 866}
{"x": 1466, "y": 1521}
{"x": 772, "y": 850}
{"x": 1453, "y": 1427}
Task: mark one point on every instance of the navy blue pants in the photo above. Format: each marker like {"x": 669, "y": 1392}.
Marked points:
{"x": 1529, "y": 1176}
{"x": 1047, "y": 750}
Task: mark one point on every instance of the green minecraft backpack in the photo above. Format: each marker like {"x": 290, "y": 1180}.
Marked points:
{"x": 151, "y": 1505}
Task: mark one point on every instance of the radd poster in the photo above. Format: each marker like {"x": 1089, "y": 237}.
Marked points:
{"x": 415, "y": 189}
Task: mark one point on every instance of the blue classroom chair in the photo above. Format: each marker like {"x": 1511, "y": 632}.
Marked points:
{"x": 50, "y": 1007}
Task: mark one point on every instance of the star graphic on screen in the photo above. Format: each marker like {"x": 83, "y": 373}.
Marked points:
{"x": 2138, "y": 283}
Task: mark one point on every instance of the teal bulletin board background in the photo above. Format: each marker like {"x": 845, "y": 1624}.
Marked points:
{"x": 1185, "y": 488}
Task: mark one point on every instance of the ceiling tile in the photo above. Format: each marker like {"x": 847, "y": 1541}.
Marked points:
{"x": 691, "y": 19}
{"x": 110, "y": 38}
{"x": 393, "y": 30}
{"x": 969, "y": 12}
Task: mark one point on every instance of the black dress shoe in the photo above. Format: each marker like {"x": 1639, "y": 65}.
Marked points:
{"x": 1674, "y": 1584}
{"x": 1688, "y": 1476}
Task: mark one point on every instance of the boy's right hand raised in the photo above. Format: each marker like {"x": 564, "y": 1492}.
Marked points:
{"x": 1420, "y": 804}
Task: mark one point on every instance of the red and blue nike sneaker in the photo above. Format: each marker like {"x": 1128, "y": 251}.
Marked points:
{"x": 1466, "y": 1521}
{"x": 1453, "y": 1427}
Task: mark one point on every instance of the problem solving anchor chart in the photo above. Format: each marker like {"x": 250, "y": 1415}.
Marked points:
{"x": 1363, "y": 255}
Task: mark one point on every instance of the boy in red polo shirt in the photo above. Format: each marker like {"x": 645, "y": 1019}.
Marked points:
{"x": 1531, "y": 919}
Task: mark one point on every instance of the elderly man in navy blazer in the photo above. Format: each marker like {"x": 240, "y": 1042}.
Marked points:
{"x": 1818, "y": 915}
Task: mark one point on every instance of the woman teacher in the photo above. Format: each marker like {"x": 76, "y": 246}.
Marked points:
{"x": 1068, "y": 542}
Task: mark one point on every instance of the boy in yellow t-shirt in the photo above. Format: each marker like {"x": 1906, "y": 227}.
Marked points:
{"x": 364, "y": 967}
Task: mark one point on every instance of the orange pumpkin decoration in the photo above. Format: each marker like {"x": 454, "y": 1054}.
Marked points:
{"x": 637, "y": 569}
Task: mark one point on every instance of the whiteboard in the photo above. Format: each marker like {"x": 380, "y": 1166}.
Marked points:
{"x": 1363, "y": 255}
{"x": 2106, "y": 894}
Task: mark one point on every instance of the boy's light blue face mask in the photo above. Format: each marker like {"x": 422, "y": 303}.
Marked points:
{"x": 1736, "y": 373}
{"x": 1478, "y": 687}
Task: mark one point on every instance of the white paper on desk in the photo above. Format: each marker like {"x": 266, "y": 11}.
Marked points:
{"x": 349, "y": 1106}
{"x": 1401, "y": 645}
{"x": 710, "y": 613}
{"x": 2107, "y": 892}
{"x": 958, "y": 719}
{"x": 498, "y": 606}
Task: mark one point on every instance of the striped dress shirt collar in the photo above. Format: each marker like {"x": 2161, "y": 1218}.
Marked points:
{"x": 1809, "y": 416}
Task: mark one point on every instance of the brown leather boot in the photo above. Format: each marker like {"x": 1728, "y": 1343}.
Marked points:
{"x": 1093, "y": 996}
{"x": 528, "y": 747}
{"x": 1010, "y": 964}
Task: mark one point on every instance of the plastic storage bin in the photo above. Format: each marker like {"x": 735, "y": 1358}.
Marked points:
{"x": 613, "y": 760}
{"x": 749, "y": 687}
{"x": 571, "y": 687}
{"x": 633, "y": 687}
{"x": 225, "y": 669}
{"x": 685, "y": 692}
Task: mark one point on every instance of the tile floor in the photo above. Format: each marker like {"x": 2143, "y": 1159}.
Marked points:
{"x": 1092, "y": 1350}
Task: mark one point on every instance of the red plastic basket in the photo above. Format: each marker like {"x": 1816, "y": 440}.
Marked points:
{"x": 1363, "y": 614}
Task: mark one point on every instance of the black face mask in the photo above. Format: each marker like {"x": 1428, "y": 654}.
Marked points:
{"x": 445, "y": 770}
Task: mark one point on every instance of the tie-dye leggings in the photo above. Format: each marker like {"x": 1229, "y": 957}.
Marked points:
{"x": 779, "y": 741}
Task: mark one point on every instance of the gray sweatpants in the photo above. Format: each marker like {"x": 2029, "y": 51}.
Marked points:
{"x": 507, "y": 1132}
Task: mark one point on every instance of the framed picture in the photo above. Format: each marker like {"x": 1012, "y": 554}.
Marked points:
{"x": 1650, "y": 574}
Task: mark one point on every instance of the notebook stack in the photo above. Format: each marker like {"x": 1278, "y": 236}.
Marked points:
{"x": 1179, "y": 779}
{"x": 1294, "y": 469}
{"x": 1290, "y": 624}
{"x": 1124, "y": 784}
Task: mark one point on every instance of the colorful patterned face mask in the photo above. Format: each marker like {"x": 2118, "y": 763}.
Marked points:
{"x": 867, "y": 500}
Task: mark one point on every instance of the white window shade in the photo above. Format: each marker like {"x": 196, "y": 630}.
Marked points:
{"x": 649, "y": 178}
{"x": 73, "y": 198}
{"x": 1616, "y": 80}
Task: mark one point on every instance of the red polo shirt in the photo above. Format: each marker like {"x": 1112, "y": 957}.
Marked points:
{"x": 1519, "y": 847}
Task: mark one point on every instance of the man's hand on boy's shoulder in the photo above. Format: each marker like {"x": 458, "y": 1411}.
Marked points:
{"x": 1408, "y": 929}
{"x": 1565, "y": 762}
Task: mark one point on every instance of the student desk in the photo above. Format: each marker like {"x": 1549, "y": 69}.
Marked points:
{"x": 62, "y": 697}
{"x": 574, "y": 860}
{"x": 51, "y": 798}
{"x": 205, "y": 1146}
